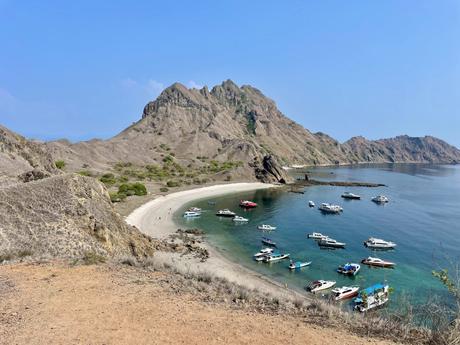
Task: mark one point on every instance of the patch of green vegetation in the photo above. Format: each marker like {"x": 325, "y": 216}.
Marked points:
{"x": 164, "y": 189}
{"x": 129, "y": 189}
{"x": 117, "y": 197}
{"x": 92, "y": 258}
{"x": 251, "y": 125}
{"x": 165, "y": 147}
{"x": 60, "y": 164}
{"x": 108, "y": 179}
{"x": 168, "y": 159}
{"x": 122, "y": 165}
{"x": 85, "y": 173}
{"x": 172, "y": 183}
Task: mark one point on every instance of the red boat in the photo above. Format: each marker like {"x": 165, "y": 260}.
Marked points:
{"x": 247, "y": 204}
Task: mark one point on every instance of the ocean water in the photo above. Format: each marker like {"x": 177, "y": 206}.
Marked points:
{"x": 422, "y": 217}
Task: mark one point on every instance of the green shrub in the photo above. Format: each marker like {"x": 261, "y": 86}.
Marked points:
{"x": 129, "y": 189}
{"x": 168, "y": 159}
{"x": 164, "y": 189}
{"x": 60, "y": 164}
{"x": 85, "y": 173}
{"x": 92, "y": 258}
{"x": 173, "y": 183}
{"x": 108, "y": 179}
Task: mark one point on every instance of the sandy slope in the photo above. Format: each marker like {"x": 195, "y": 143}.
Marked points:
{"x": 58, "y": 304}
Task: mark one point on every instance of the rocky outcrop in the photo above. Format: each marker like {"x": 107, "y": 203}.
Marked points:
{"x": 65, "y": 216}
{"x": 270, "y": 171}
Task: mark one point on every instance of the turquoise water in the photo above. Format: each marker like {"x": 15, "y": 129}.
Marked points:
{"x": 423, "y": 218}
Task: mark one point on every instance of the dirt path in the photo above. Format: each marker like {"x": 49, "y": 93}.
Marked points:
{"x": 58, "y": 304}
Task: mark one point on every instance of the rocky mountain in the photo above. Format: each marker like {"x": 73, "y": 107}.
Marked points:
{"x": 65, "y": 216}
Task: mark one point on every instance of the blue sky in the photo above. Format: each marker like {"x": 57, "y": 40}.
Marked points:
{"x": 85, "y": 69}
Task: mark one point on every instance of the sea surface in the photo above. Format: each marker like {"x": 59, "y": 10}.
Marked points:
{"x": 422, "y": 217}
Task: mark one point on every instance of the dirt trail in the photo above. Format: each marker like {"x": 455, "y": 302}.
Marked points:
{"x": 58, "y": 304}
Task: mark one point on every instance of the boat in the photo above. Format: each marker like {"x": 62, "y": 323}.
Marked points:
{"x": 191, "y": 214}
{"x": 344, "y": 292}
{"x": 349, "y": 269}
{"x": 380, "y": 199}
{"x": 269, "y": 242}
{"x": 194, "y": 209}
{"x": 263, "y": 252}
{"x": 275, "y": 257}
{"x": 328, "y": 208}
{"x": 311, "y": 204}
{"x": 240, "y": 219}
{"x": 331, "y": 243}
{"x": 298, "y": 264}
{"x": 377, "y": 243}
{"x": 370, "y": 261}
{"x": 266, "y": 227}
{"x": 372, "y": 297}
{"x": 317, "y": 236}
{"x": 247, "y": 204}
{"x": 225, "y": 213}
{"x": 348, "y": 195}
{"x": 319, "y": 285}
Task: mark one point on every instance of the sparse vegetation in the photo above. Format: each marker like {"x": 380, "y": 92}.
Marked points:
{"x": 85, "y": 173}
{"x": 172, "y": 184}
{"x": 108, "y": 179}
{"x": 8, "y": 256}
{"x": 60, "y": 164}
{"x": 164, "y": 189}
{"x": 93, "y": 258}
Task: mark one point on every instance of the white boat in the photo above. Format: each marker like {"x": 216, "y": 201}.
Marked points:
{"x": 240, "y": 219}
{"x": 344, "y": 292}
{"x": 372, "y": 297}
{"x": 263, "y": 252}
{"x": 311, "y": 204}
{"x": 275, "y": 257}
{"x": 370, "y": 261}
{"x": 328, "y": 208}
{"x": 380, "y": 199}
{"x": 191, "y": 214}
{"x": 225, "y": 213}
{"x": 319, "y": 285}
{"x": 298, "y": 264}
{"x": 377, "y": 243}
{"x": 317, "y": 236}
{"x": 266, "y": 227}
{"x": 349, "y": 269}
{"x": 194, "y": 209}
{"x": 331, "y": 243}
{"x": 348, "y": 195}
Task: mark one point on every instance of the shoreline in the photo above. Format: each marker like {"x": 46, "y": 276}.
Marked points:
{"x": 155, "y": 218}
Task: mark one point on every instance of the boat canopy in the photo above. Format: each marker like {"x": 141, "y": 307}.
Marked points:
{"x": 370, "y": 290}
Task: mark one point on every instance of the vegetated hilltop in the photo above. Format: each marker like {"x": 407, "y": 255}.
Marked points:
{"x": 65, "y": 216}
{"x": 238, "y": 124}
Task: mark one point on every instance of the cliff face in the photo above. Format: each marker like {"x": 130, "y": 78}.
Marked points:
{"x": 65, "y": 216}
{"x": 239, "y": 124}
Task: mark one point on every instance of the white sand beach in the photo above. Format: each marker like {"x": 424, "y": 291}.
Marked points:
{"x": 155, "y": 218}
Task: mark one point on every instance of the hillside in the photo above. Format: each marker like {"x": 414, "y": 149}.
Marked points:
{"x": 231, "y": 123}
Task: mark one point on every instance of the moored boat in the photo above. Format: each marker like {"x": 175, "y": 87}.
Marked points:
{"x": 328, "y": 208}
{"x": 349, "y": 269}
{"x": 317, "y": 236}
{"x": 275, "y": 257}
{"x": 225, "y": 213}
{"x": 377, "y": 243}
{"x": 263, "y": 252}
{"x": 380, "y": 199}
{"x": 268, "y": 241}
{"x": 348, "y": 195}
{"x": 194, "y": 209}
{"x": 240, "y": 219}
{"x": 298, "y": 264}
{"x": 266, "y": 227}
{"x": 331, "y": 243}
{"x": 372, "y": 297}
{"x": 191, "y": 214}
{"x": 311, "y": 204}
{"x": 344, "y": 292}
{"x": 247, "y": 204}
{"x": 319, "y": 285}
{"x": 370, "y": 261}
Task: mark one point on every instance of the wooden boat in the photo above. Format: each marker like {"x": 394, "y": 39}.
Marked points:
{"x": 349, "y": 269}
{"x": 275, "y": 257}
{"x": 344, "y": 292}
{"x": 370, "y": 261}
{"x": 319, "y": 285}
{"x": 298, "y": 264}
{"x": 372, "y": 297}
{"x": 269, "y": 242}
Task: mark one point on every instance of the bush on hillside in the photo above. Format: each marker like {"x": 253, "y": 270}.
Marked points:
{"x": 60, "y": 164}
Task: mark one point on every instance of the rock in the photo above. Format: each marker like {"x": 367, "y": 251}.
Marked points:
{"x": 270, "y": 171}
{"x": 33, "y": 175}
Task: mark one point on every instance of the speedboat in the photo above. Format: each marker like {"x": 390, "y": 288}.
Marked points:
{"x": 269, "y": 242}
{"x": 331, "y": 243}
{"x": 377, "y": 243}
{"x": 191, "y": 214}
{"x": 348, "y": 195}
{"x": 328, "y": 208}
{"x": 225, "y": 213}
{"x": 194, "y": 209}
{"x": 311, "y": 204}
{"x": 275, "y": 257}
{"x": 247, "y": 204}
{"x": 372, "y": 297}
{"x": 298, "y": 264}
{"x": 370, "y": 261}
{"x": 380, "y": 199}
{"x": 266, "y": 227}
{"x": 319, "y": 285}
{"x": 349, "y": 269}
{"x": 344, "y": 292}
{"x": 240, "y": 219}
{"x": 317, "y": 236}
{"x": 263, "y": 252}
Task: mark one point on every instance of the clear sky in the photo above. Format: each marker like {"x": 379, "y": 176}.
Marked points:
{"x": 84, "y": 69}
